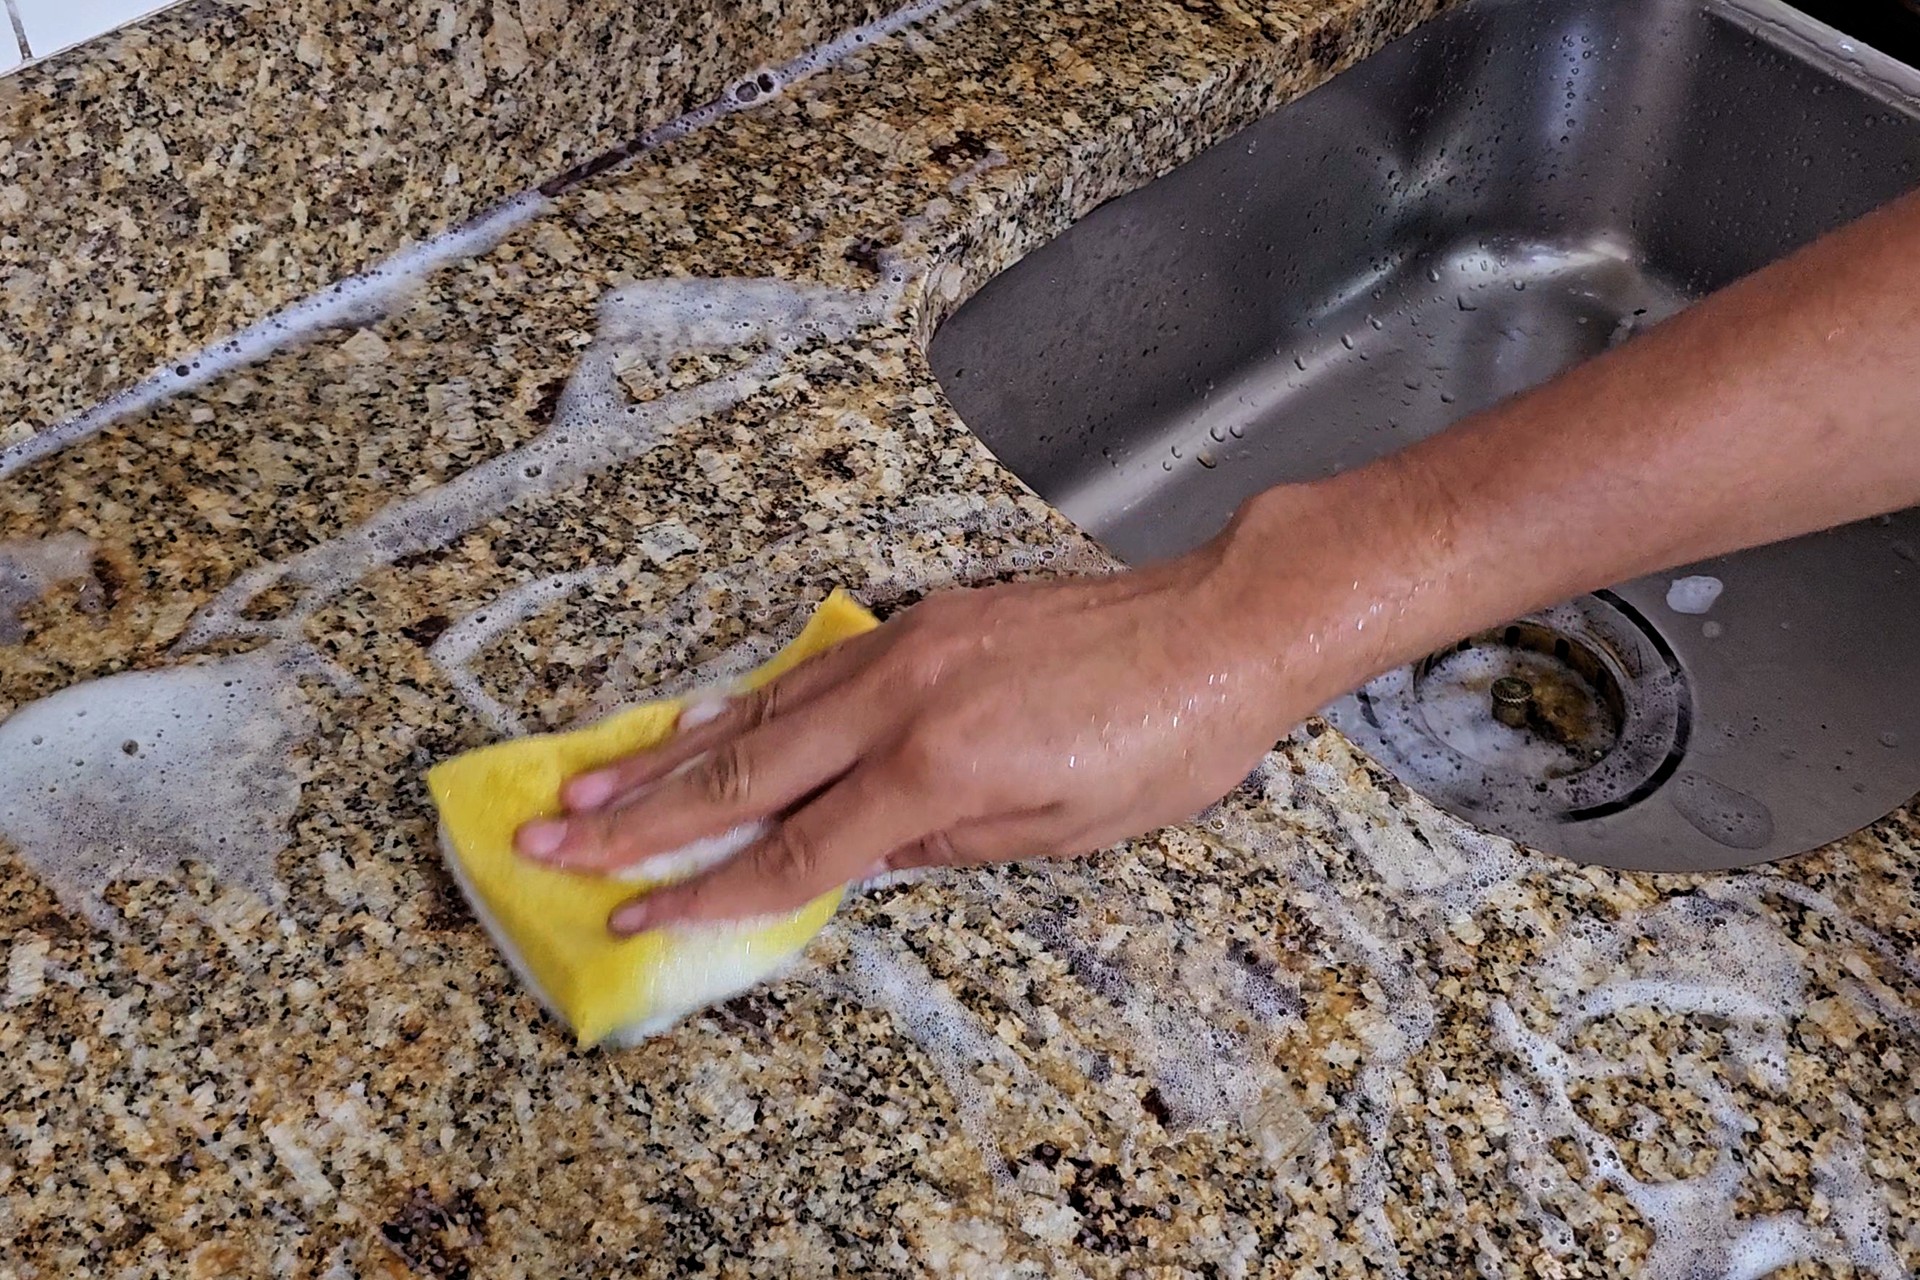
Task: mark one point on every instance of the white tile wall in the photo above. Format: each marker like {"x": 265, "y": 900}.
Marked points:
{"x": 9, "y": 47}
{"x": 53, "y": 25}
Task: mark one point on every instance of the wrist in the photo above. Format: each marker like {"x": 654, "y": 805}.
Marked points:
{"x": 1331, "y": 582}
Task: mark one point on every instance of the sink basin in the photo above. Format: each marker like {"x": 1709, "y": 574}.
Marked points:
{"x": 1513, "y": 187}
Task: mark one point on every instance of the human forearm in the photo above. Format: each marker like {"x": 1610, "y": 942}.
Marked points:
{"x": 1786, "y": 403}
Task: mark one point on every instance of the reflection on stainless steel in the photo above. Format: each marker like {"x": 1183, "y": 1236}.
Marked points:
{"x": 1514, "y": 187}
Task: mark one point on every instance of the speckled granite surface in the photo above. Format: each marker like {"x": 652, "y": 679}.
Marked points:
{"x": 178, "y": 179}
{"x": 247, "y": 1028}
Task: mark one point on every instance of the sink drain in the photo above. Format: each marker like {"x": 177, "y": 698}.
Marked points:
{"x": 1737, "y": 711}
{"x": 1563, "y": 716}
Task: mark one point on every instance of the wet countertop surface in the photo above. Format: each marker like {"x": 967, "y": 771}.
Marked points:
{"x": 247, "y": 1026}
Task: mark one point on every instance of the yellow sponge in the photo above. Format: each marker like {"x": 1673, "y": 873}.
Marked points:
{"x": 552, "y": 925}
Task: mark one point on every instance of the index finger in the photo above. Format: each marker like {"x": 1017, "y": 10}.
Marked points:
{"x": 825, "y": 843}
{"x": 737, "y": 714}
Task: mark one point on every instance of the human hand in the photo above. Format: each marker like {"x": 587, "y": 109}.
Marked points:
{"x": 1034, "y": 719}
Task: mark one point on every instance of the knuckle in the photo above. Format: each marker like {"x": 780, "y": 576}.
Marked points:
{"x": 939, "y": 850}
{"x": 920, "y": 760}
{"x": 760, "y": 705}
{"x": 595, "y": 838}
{"x": 723, "y": 776}
{"x": 795, "y": 853}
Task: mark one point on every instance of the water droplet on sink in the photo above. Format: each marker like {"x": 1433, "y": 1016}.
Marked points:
{"x": 1720, "y": 812}
{"x": 1694, "y": 594}
{"x": 1889, "y": 739}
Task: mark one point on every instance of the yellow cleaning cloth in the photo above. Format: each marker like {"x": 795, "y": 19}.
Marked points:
{"x": 552, "y": 924}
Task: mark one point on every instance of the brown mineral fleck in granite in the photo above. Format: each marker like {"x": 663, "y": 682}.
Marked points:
{"x": 1323, "y": 1030}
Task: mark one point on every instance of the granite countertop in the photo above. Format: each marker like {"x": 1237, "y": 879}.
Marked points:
{"x": 175, "y": 179}
{"x": 247, "y": 1026}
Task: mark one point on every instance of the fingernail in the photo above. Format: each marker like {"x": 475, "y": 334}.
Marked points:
{"x": 590, "y": 791}
{"x": 630, "y": 918}
{"x": 542, "y": 839}
{"x": 700, "y": 710}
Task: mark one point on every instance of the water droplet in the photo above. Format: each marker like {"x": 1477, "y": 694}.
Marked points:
{"x": 1719, "y": 812}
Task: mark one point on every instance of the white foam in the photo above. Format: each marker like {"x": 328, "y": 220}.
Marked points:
{"x": 1455, "y": 698}
{"x": 692, "y": 858}
{"x": 454, "y": 652}
{"x": 851, "y": 42}
{"x": 882, "y": 976}
{"x": 130, "y": 775}
{"x": 357, "y": 300}
{"x": 1858, "y": 1211}
{"x": 363, "y": 298}
{"x": 756, "y": 88}
{"x": 1694, "y": 594}
{"x": 1692, "y": 956}
{"x": 1486, "y": 1259}
{"x": 594, "y": 428}
{"x": 31, "y": 567}
{"x": 1204, "y": 1071}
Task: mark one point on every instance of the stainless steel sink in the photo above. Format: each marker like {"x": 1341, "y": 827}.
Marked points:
{"x": 1514, "y": 187}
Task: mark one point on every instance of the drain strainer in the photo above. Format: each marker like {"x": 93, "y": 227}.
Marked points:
{"x": 1561, "y": 716}
{"x": 1734, "y": 712}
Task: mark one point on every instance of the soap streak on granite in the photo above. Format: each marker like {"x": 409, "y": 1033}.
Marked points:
{"x": 180, "y": 178}
{"x": 1315, "y": 1031}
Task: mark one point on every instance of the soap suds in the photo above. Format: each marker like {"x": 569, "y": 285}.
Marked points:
{"x": 129, "y": 775}
{"x": 357, "y": 300}
{"x": 1686, "y": 957}
{"x": 1203, "y": 1070}
{"x": 881, "y": 975}
{"x": 755, "y": 88}
{"x": 594, "y": 428}
{"x": 1454, "y": 698}
{"x": 366, "y": 297}
{"x": 31, "y": 567}
{"x": 457, "y": 647}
